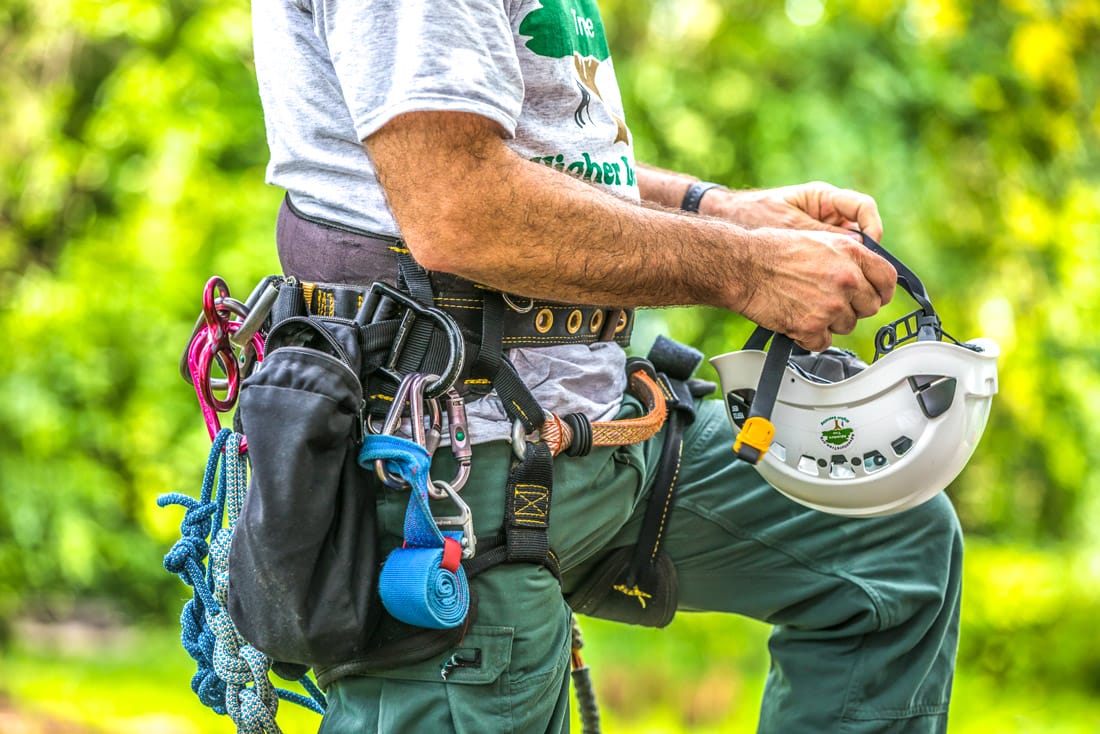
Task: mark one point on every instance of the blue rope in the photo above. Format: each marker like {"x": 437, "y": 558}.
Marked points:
{"x": 414, "y": 585}
{"x": 232, "y": 676}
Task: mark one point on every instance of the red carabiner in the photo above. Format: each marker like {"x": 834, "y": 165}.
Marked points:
{"x": 211, "y": 343}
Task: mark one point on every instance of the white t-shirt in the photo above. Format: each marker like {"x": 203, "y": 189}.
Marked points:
{"x": 332, "y": 72}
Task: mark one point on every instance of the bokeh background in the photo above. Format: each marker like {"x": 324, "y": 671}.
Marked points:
{"x": 131, "y": 168}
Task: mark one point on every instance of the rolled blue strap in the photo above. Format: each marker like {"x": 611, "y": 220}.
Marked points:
{"x": 414, "y": 585}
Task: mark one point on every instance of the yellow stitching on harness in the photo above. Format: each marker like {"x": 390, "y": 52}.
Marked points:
{"x": 534, "y": 497}
{"x": 635, "y": 592}
{"x": 521, "y": 411}
{"x": 668, "y": 501}
{"x": 398, "y": 250}
{"x": 380, "y": 396}
{"x": 476, "y": 381}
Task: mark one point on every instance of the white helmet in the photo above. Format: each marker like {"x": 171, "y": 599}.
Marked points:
{"x": 862, "y": 441}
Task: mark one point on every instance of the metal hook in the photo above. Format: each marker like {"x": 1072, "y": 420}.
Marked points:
{"x": 460, "y": 441}
{"x": 464, "y": 518}
{"x": 411, "y": 390}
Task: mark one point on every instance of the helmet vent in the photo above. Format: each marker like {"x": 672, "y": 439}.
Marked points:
{"x": 934, "y": 393}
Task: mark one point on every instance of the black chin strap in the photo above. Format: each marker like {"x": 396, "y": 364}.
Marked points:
{"x": 755, "y": 437}
{"x": 757, "y": 431}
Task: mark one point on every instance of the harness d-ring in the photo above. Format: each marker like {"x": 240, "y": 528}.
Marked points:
{"x": 518, "y": 309}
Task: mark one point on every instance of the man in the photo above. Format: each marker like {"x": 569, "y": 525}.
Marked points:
{"x": 488, "y": 135}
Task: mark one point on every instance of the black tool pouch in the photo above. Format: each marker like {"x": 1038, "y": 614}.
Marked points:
{"x": 614, "y": 591}
{"x": 304, "y": 557}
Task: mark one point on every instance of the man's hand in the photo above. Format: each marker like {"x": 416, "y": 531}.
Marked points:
{"x": 811, "y": 285}
{"x": 815, "y": 205}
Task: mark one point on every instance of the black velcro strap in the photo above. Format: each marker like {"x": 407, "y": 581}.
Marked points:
{"x": 678, "y": 361}
{"x": 490, "y": 352}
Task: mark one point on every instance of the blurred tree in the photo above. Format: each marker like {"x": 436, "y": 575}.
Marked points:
{"x": 132, "y": 161}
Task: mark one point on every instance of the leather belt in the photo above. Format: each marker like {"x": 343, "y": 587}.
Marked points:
{"x": 526, "y": 323}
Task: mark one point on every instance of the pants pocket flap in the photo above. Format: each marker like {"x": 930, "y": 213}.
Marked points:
{"x": 484, "y": 654}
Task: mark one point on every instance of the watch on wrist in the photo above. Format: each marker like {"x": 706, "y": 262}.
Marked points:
{"x": 694, "y": 195}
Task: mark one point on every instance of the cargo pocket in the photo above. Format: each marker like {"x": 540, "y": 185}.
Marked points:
{"x": 485, "y": 689}
{"x": 469, "y": 686}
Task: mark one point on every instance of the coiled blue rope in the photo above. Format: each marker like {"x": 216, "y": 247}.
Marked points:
{"x": 416, "y": 585}
{"x": 232, "y": 676}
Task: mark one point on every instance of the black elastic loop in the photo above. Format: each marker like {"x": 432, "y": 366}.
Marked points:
{"x": 582, "y": 434}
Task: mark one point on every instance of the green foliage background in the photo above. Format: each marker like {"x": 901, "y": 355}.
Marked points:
{"x": 131, "y": 168}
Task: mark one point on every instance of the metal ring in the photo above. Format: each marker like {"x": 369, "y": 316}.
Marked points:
{"x": 519, "y": 440}
{"x": 622, "y": 322}
{"x": 512, "y": 304}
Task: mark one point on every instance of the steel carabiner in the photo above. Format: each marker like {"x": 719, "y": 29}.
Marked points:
{"x": 460, "y": 441}
{"x": 426, "y": 428}
{"x": 464, "y": 519}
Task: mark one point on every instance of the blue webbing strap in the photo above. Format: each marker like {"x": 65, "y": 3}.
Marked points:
{"x": 422, "y": 583}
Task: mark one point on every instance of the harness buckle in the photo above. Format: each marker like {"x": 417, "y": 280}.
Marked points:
{"x": 379, "y": 304}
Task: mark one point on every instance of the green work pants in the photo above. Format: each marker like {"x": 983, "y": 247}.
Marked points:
{"x": 865, "y": 611}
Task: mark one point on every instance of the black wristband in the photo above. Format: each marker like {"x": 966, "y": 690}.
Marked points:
{"x": 694, "y": 195}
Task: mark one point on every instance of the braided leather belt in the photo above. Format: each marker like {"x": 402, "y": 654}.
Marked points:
{"x": 561, "y": 433}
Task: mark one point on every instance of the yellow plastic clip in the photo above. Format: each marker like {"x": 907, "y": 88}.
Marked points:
{"x": 757, "y": 432}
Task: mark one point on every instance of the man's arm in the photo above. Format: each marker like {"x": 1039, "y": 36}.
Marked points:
{"x": 815, "y": 205}
{"x": 467, "y": 204}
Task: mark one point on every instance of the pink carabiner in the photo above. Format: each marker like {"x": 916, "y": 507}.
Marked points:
{"x": 211, "y": 342}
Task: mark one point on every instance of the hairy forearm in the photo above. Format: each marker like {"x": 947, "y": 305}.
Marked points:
{"x": 525, "y": 228}
{"x": 467, "y": 204}
{"x": 663, "y": 187}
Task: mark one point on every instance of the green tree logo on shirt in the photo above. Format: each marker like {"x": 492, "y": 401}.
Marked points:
{"x": 563, "y": 28}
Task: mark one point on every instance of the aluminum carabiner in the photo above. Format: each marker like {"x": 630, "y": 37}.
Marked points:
{"x": 459, "y": 435}
{"x": 464, "y": 518}
{"x": 426, "y": 428}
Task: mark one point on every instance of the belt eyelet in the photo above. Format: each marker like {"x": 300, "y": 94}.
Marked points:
{"x": 573, "y": 324}
{"x": 544, "y": 320}
{"x": 596, "y": 321}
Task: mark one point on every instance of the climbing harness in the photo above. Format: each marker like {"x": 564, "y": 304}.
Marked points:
{"x": 837, "y": 435}
{"x": 348, "y": 390}
{"x": 233, "y": 676}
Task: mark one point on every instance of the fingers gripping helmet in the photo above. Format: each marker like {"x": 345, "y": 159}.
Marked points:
{"x": 837, "y": 435}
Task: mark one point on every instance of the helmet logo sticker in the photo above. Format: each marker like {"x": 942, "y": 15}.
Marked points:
{"x": 836, "y": 432}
